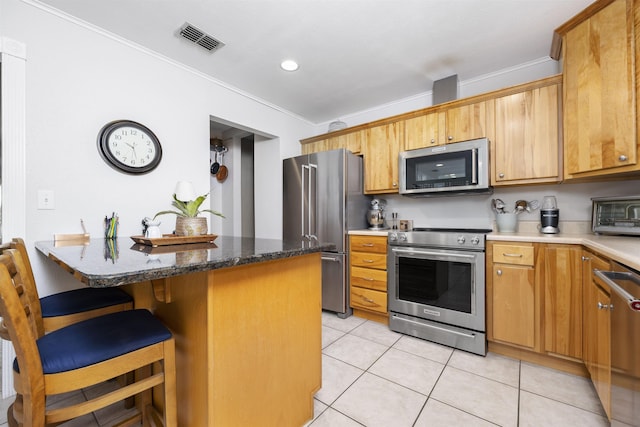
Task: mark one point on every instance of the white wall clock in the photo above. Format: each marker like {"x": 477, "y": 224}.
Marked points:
{"x": 129, "y": 147}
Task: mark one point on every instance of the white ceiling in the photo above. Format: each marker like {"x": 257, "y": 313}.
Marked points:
{"x": 353, "y": 54}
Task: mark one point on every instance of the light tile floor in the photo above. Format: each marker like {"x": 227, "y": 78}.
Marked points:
{"x": 375, "y": 377}
{"x": 372, "y": 377}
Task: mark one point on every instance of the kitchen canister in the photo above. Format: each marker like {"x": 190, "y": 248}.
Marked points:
{"x": 507, "y": 222}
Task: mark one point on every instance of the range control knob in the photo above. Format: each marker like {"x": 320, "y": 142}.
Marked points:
{"x": 461, "y": 240}
{"x": 475, "y": 240}
{"x": 393, "y": 237}
{"x": 402, "y": 237}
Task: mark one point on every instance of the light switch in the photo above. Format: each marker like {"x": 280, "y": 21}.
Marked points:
{"x": 46, "y": 199}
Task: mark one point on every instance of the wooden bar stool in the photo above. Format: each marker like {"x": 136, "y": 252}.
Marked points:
{"x": 83, "y": 354}
{"x": 65, "y": 308}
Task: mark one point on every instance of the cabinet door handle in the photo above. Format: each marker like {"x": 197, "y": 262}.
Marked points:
{"x": 370, "y": 301}
{"x": 512, "y": 255}
{"x": 368, "y": 279}
{"x": 623, "y": 158}
{"x": 367, "y": 245}
{"x": 433, "y": 141}
{"x": 499, "y": 272}
{"x": 585, "y": 258}
{"x": 602, "y": 306}
{"x": 450, "y": 138}
{"x": 367, "y": 261}
{"x": 500, "y": 175}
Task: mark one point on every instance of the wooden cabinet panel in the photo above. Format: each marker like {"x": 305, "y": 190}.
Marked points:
{"x": 422, "y": 131}
{"x": 600, "y": 93}
{"x": 381, "y": 148}
{"x": 563, "y": 300}
{"x": 375, "y": 244}
{"x": 513, "y": 254}
{"x": 526, "y": 144}
{"x": 513, "y": 305}
{"x": 351, "y": 141}
{"x": 367, "y": 299}
{"x": 596, "y": 327}
{"x": 369, "y": 260}
{"x": 369, "y": 278}
{"x": 465, "y": 122}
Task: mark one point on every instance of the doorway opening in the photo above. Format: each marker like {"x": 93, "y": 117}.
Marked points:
{"x": 234, "y": 146}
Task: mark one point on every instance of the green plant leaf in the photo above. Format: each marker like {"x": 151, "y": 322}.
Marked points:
{"x": 214, "y": 212}
{"x": 190, "y": 209}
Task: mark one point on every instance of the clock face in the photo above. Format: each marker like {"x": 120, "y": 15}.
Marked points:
{"x": 129, "y": 147}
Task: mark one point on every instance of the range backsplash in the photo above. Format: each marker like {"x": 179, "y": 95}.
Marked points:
{"x": 474, "y": 211}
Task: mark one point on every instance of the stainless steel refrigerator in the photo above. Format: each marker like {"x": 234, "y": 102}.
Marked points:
{"x": 323, "y": 199}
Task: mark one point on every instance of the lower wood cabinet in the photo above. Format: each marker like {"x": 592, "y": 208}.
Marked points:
{"x": 512, "y": 292}
{"x": 563, "y": 300}
{"x": 368, "y": 277}
{"x": 545, "y": 305}
{"x": 597, "y": 327}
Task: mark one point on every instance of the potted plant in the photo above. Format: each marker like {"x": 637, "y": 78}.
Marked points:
{"x": 188, "y": 223}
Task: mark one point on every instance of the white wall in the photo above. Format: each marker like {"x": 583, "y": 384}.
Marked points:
{"x": 78, "y": 79}
{"x": 574, "y": 202}
{"x": 500, "y": 79}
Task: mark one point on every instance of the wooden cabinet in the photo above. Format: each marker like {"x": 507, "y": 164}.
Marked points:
{"x": 596, "y": 327}
{"x": 368, "y": 276}
{"x": 380, "y": 152}
{"x": 600, "y": 87}
{"x": 526, "y": 147}
{"x": 466, "y": 122}
{"x": 563, "y": 300}
{"x": 512, "y": 294}
{"x": 352, "y": 141}
{"x": 449, "y": 124}
{"x": 422, "y": 131}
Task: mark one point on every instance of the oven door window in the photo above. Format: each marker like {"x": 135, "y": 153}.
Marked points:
{"x": 438, "y": 283}
{"x": 442, "y": 170}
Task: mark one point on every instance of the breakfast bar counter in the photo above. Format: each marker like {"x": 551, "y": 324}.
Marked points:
{"x": 246, "y": 315}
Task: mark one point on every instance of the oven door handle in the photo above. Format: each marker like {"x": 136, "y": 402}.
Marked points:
{"x": 422, "y": 252}
{"x": 449, "y": 331}
{"x": 606, "y": 276}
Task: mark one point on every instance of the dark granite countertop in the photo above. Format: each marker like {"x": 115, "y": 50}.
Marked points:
{"x": 104, "y": 263}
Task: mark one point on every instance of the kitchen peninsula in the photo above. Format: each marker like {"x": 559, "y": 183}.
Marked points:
{"x": 245, "y": 313}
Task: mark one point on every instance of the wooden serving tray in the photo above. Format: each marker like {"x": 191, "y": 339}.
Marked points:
{"x": 172, "y": 239}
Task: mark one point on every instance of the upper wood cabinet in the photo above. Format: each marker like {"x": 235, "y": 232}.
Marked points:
{"x": 422, "y": 131}
{"x": 352, "y": 141}
{"x": 448, "y": 124}
{"x": 600, "y": 89}
{"x": 526, "y": 147}
{"x": 467, "y": 122}
{"x": 380, "y": 150}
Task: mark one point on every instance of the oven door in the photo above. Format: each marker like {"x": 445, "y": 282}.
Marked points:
{"x": 441, "y": 285}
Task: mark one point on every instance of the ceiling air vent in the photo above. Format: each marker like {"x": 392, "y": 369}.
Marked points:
{"x": 199, "y": 37}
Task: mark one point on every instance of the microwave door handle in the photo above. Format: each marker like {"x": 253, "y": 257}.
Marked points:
{"x": 474, "y": 166}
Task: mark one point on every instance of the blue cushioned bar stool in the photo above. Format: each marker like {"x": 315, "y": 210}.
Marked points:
{"x": 64, "y": 308}
{"x": 84, "y": 354}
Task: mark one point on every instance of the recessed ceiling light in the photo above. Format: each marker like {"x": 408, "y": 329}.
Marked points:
{"x": 289, "y": 65}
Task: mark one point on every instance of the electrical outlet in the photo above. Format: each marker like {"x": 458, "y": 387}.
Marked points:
{"x": 46, "y": 199}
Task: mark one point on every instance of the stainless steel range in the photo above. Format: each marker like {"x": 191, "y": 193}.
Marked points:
{"x": 437, "y": 286}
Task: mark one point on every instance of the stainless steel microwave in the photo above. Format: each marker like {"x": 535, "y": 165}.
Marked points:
{"x": 451, "y": 169}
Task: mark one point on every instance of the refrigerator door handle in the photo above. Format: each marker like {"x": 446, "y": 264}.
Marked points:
{"x": 313, "y": 205}
{"x": 303, "y": 196}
